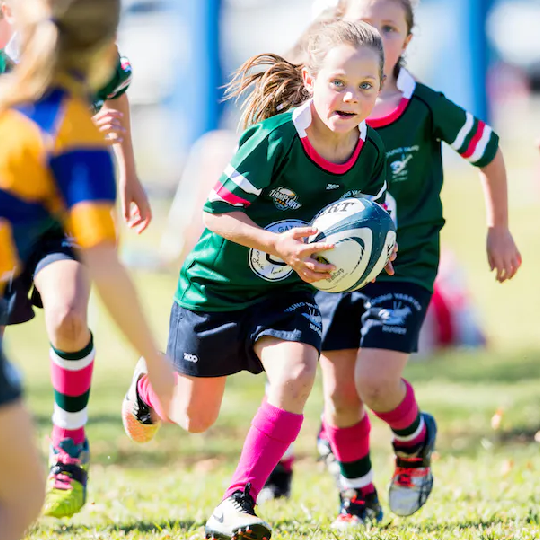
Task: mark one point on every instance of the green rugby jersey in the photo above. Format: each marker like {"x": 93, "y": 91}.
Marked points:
{"x": 5, "y": 62}
{"x": 278, "y": 179}
{"x": 117, "y": 84}
{"x": 412, "y": 136}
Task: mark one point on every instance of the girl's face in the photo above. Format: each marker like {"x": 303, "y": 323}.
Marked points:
{"x": 390, "y": 19}
{"x": 346, "y": 87}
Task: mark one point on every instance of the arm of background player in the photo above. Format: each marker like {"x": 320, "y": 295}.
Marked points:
{"x": 503, "y": 255}
{"x": 84, "y": 176}
{"x": 134, "y": 202}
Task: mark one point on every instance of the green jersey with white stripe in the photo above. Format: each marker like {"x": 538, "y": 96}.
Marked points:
{"x": 279, "y": 180}
{"x": 412, "y": 136}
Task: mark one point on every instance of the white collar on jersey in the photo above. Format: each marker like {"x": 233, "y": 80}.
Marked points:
{"x": 302, "y": 120}
{"x": 406, "y": 83}
{"x": 13, "y": 48}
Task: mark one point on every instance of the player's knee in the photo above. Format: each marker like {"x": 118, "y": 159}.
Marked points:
{"x": 343, "y": 399}
{"x": 66, "y": 326}
{"x": 374, "y": 389}
{"x": 300, "y": 376}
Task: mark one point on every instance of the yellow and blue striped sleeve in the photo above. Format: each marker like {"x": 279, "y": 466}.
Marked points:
{"x": 84, "y": 174}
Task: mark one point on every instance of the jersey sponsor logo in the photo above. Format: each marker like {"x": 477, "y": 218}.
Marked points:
{"x": 193, "y": 358}
{"x": 352, "y": 193}
{"x": 332, "y": 186}
{"x": 285, "y": 199}
{"x": 272, "y": 268}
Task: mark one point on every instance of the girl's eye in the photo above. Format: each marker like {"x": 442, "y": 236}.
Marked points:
{"x": 338, "y": 84}
{"x": 388, "y": 29}
{"x": 366, "y": 86}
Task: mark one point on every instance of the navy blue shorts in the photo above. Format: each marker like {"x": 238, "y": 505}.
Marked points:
{"x": 384, "y": 315}
{"x": 21, "y": 295}
{"x": 218, "y": 343}
{"x": 10, "y": 382}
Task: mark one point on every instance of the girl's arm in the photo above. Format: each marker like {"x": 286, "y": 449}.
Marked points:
{"x": 135, "y": 206}
{"x": 119, "y": 296}
{"x": 503, "y": 255}
{"x": 288, "y": 246}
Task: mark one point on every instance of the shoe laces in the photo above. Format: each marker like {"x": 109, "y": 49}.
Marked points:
{"x": 62, "y": 470}
{"x": 243, "y": 501}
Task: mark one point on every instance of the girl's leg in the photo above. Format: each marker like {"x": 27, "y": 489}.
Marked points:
{"x": 22, "y": 486}
{"x": 347, "y": 427}
{"x": 392, "y": 399}
{"x": 291, "y": 368}
{"x": 64, "y": 289}
{"x": 196, "y": 404}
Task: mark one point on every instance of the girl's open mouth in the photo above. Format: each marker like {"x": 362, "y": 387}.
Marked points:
{"x": 345, "y": 114}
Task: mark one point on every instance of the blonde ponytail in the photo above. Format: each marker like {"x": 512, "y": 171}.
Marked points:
{"x": 275, "y": 90}
{"x": 279, "y": 87}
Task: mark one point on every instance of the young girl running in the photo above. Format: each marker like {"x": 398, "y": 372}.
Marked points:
{"x": 56, "y": 165}
{"x": 368, "y": 335}
{"x": 243, "y": 300}
{"x": 54, "y": 279}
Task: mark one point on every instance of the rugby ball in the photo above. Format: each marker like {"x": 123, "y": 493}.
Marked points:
{"x": 364, "y": 236}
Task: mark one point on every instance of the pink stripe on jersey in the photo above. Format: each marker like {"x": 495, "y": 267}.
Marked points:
{"x": 475, "y": 140}
{"x": 391, "y": 118}
{"x": 71, "y": 383}
{"x": 229, "y": 197}
{"x": 335, "y": 168}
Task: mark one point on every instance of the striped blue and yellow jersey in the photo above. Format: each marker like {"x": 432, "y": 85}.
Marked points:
{"x": 54, "y": 165}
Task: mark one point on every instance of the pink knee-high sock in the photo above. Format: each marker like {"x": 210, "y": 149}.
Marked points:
{"x": 271, "y": 432}
{"x": 71, "y": 375}
{"x": 147, "y": 394}
{"x": 351, "y": 448}
{"x": 405, "y": 414}
{"x": 405, "y": 421}
{"x": 350, "y": 443}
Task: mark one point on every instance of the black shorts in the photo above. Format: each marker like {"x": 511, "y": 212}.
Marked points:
{"x": 217, "y": 344}
{"x": 21, "y": 295}
{"x": 385, "y": 315}
{"x": 10, "y": 381}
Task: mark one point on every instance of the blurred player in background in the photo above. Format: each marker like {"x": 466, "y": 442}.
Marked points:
{"x": 56, "y": 165}
{"x": 53, "y": 278}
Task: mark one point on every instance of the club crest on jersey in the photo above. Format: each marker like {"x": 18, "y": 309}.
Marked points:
{"x": 285, "y": 199}
{"x": 266, "y": 266}
{"x": 399, "y": 166}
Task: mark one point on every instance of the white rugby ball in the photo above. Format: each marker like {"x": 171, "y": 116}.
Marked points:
{"x": 364, "y": 236}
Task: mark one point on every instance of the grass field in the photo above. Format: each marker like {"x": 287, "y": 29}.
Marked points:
{"x": 486, "y": 479}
